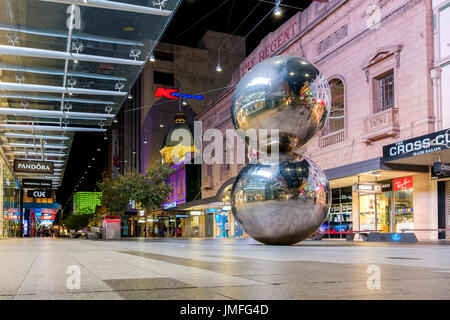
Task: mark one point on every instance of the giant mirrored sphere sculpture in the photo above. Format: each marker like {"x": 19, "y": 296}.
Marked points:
{"x": 284, "y": 202}
{"x": 281, "y": 204}
{"x": 288, "y": 94}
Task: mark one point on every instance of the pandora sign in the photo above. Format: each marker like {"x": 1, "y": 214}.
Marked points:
{"x": 33, "y": 166}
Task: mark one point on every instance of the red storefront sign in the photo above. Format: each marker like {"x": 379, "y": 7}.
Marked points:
{"x": 167, "y": 93}
{"x": 48, "y": 216}
{"x": 403, "y": 183}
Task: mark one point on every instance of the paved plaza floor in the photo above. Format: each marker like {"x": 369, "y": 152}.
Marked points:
{"x": 44, "y": 268}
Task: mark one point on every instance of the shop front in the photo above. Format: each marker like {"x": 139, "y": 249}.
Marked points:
{"x": 389, "y": 207}
{"x": 371, "y": 196}
{"x": 422, "y": 202}
{"x": 167, "y": 224}
{"x": 215, "y": 215}
{"x": 10, "y": 217}
{"x": 340, "y": 220}
{"x": 225, "y": 226}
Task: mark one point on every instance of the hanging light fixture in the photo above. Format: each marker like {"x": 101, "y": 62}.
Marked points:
{"x": 152, "y": 58}
{"x": 218, "y": 68}
{"x": 145, "y": 140}
{"x": 184, "y": 103}
{"x": 277, "y": 11}
{"x": 130, "y": 96}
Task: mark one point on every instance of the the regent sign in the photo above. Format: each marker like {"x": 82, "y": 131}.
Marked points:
{"x": 33, "y": 166}
{"x": 432, "y": 142}
{"x": 270, "y": 44}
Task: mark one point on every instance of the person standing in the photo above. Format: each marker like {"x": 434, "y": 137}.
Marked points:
{"x": 227, "y": 229}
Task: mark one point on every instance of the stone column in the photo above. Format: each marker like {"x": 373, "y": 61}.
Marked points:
{"x": 437, "y": 97}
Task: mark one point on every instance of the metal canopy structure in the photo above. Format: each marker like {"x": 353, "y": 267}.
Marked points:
{"x": 66, "y": 66}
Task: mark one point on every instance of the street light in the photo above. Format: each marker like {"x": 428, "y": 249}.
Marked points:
{"x": 218, "y": 68}
{"x": 277, "y": 11}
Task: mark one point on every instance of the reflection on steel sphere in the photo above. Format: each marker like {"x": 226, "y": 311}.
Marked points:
{"x": 281, "y": 204}
{"x": 284, "y": 93}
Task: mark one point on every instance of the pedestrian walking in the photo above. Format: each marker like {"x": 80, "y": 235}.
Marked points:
{"x": 227, "y": 229}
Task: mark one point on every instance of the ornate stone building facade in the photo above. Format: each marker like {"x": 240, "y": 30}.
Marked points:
{"x": 378, "y": 57}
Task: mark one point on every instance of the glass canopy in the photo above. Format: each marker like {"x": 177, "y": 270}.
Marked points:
{"x": 66, "y": 66}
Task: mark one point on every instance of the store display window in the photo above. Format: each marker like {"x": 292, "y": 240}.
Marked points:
{"x": 339, "y": 221}
{"x": 403, "y": 204}
{"x": 367, "y": 213}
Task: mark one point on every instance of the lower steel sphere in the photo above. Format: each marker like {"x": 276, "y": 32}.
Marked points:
{"x": 281, "y": 204}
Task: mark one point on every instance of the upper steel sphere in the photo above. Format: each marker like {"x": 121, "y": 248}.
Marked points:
{"x": 288, "y": 94}
{"x": 281, "y": 204}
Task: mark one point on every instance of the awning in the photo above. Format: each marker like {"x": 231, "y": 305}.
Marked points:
{"x": 35, "y": 205}
{"x": 66, "y": 66}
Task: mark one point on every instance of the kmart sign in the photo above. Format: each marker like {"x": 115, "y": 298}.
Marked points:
{"x": 33, "y": 166}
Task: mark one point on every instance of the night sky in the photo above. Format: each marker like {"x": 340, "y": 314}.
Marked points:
{"x": 186, "y": 28}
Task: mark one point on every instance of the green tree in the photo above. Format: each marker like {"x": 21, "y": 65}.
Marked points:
{"x": 149, "y": 190}
{"x": 114, "y": 195}
{"x": 156, "y": 189}
{"x": 77, "y": 221}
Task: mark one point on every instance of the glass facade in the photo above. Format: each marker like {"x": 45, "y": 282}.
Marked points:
{"x": 404, "y": 211}
{"x": 9, "y": 200}
{"x": 390, "y": 210}
{"x": 339, "y": 222}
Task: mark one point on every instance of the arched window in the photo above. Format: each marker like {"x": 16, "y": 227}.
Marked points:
{"x": 336, "y": 118}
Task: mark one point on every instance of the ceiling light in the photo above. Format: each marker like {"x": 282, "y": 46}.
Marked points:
{"x": 130, "y": 96}
{"x": 161, "y": 125}
{"x": 152, "y": 58}
{"x": 184, "y": 103}
{"x": 219, "y": 68}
